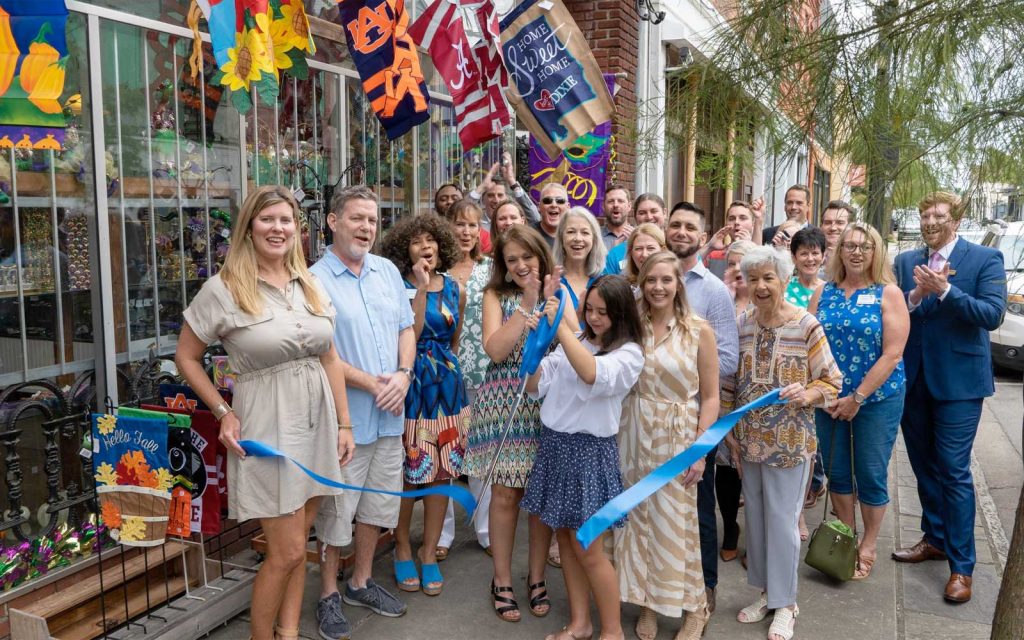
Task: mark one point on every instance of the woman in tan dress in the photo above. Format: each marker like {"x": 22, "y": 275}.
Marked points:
{"x": 657, "y": 553}
{"x": 276, "y": 323}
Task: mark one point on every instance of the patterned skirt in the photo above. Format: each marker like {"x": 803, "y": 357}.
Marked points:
{"x": 574, "y": 475}
{"x": 435, "y": 448}
{"x": 491, "y": 411}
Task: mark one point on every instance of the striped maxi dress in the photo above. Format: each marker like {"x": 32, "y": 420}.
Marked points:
{"x": 657, "y": 553}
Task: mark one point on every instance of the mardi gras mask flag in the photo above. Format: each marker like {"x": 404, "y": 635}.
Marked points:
{"x": 133, "y": 477}
{"x": 386, "y": 59}
{"x": 555, "y": 84}
{"x": 581, "y": 169}
{"x": 253, "y": 42}
{"x": 33, "y": 56}
{"x": 440, "y": 31}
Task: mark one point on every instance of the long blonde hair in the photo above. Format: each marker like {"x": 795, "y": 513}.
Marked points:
{"x": 680, "y": 305}
{"x": 241, "y": 269}
{"x": 880, "y": 271}
{"x": 648, "y": 229}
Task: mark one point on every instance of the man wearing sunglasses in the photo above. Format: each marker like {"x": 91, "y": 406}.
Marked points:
{"x": 554, "y": 202}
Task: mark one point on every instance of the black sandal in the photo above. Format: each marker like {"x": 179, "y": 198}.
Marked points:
{"x": 540, "y": 599}
{"x": 510, "y": 604}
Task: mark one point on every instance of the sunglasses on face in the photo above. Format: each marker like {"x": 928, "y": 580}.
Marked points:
{"x": 550, "y": 200}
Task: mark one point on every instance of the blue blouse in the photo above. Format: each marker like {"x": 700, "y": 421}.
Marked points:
{"x": 854, "y": 331}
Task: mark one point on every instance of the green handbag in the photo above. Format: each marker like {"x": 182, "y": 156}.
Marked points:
{"x": 832, "y": 549}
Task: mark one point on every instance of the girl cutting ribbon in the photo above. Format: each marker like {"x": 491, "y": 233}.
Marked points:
{"x": 582, "y": 384}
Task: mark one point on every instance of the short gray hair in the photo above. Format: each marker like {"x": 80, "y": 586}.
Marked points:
{"x": 598, "y": 252}
{"x": 762, "y": 256}
{"x": 555, "y": 185}
{"x": 341, "y": 197}
{"x": 740, "y": 248}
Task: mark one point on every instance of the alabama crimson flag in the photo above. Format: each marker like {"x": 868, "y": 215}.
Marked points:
{"x": 440, "y": 31}
{"x": 488, "y": 55}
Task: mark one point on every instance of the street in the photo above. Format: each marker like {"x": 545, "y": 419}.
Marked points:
{"x": 898, "y": 602}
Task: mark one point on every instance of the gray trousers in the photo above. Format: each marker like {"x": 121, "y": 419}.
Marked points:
{"x": 773, "y": 499}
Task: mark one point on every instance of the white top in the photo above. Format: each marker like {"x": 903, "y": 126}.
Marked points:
{"x": 571, "y": 406}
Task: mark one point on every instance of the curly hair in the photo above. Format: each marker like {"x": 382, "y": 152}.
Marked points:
{"x": 397, "y": 241}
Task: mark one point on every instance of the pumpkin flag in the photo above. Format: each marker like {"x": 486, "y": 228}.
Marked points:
{"x": 386, "y": 59}
{"x": 253, "y": 42}
{"x": 440, "y": 31}
{"x": 555, "y": 83}
{"x": 33, "y": 57}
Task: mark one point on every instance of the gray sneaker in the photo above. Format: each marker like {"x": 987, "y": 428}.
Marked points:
{"x": 375, "y": 598}
{"x": 332, "y": 622}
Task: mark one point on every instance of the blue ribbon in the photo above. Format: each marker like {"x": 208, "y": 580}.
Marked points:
{"x": 623, "y": 503}
{"x": 455, "y": 492}
{"x": 539, "y": 339}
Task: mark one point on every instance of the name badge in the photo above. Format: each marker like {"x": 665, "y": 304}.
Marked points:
{"x": 866, "y": 298}
{"x": 411, "y": 293}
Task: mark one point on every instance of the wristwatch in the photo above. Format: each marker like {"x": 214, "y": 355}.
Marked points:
{"x": 409, "y": 372}
{"x": 858, "y": 397}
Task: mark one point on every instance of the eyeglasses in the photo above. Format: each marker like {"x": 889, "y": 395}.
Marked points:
{"x": 853, "y": 247}
{"x": 550, "y": 200}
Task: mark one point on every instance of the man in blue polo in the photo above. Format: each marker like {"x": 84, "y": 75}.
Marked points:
{"x": 375, "y": 338}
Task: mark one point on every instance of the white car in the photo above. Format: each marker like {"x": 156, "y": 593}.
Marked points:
{"x": 1008, "y": 339}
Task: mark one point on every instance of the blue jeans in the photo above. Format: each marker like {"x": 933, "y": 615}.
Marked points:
{"x": 874, "y": 433}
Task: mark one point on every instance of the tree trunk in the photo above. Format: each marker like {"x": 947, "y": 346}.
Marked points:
{"x": 1009, "y": 618}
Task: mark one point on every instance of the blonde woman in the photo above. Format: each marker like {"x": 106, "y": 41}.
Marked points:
{"x": 276, "y": 323}
{"x": 646, "y": 240}
{"x": 657, "y": 553}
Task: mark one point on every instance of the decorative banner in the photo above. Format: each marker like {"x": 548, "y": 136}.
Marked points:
{"x": 33, "y": 56}
{"x": 556, "y": 85}
{"x": 133, "y": 477}
{"x": 206, "y": 484}
{"x": 620, "y": 505}
{"x": 581, "y": 169}
{"x": 182, "y": 397}
{"x": 441, "y": 32}
{"x": 386, "y": 59}
{"x": 253, "y": 42}
{"x": 455, "y": 492}
{"x": 488, "y": 56}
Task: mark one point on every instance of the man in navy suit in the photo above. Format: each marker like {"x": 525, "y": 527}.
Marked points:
{"x": 956, "y": 292}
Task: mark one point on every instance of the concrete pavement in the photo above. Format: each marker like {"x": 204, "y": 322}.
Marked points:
{"x": 899, "y": 601}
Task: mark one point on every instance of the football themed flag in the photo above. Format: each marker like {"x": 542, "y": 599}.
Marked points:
{"x": 440, "y": 31}
{"x": 386, "y": 59}
{"x": 555, "y": 85}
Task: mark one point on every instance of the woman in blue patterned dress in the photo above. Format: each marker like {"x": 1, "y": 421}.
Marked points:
{"x": 867, "y": 323}
{"x": 522, "y": 260}
{"x": 436, "y": 408}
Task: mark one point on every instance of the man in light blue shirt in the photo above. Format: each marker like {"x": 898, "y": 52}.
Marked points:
{"x": 375, "y": 338}
{"x": 709, "y": 298}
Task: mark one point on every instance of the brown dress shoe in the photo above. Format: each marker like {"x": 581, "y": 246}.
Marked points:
{"x": 920, "y": 552}
{"x": 958, "y": 589}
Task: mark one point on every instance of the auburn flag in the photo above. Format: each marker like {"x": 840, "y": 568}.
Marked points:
{"x": 386, "y": 59}
{"x": 440, "y": 31}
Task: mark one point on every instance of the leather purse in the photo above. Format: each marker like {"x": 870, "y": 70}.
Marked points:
{"x": 832, "y": 548}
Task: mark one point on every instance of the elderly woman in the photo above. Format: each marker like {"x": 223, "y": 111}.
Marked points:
{"x": 646, "y": 240}
{"x": 781, "y": 345}
{"x": 867, "y": 323}
{"x": 580, "y": 253}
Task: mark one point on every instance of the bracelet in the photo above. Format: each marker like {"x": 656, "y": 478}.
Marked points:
{"x": 346, "y": 427}
{"x": 221, "y": 410}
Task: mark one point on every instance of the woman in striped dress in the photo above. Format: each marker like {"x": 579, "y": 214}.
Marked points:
{"x": 657, "y": 553}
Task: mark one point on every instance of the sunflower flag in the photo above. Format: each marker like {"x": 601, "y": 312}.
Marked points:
{"x": 33, "y": 57}
{"x": 386, "y": 59}
{"x": 253, "y": 42}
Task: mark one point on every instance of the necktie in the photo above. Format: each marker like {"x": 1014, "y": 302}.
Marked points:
{"x": 936, "y": 261}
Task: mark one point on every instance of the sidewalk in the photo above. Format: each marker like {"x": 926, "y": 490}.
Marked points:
{"x": 898, "y": 601}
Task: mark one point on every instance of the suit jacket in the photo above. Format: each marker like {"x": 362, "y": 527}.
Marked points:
{"x": 949, "y": 341}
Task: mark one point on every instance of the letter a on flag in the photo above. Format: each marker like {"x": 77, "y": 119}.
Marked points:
{"x": 386, "y": 59}
{"x": 440, "y": 31}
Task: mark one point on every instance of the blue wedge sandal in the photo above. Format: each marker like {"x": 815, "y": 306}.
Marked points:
{"x": 406, "y": 570}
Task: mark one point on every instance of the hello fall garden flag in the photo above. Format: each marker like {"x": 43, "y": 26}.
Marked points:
{"x": 555, "y": 85}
